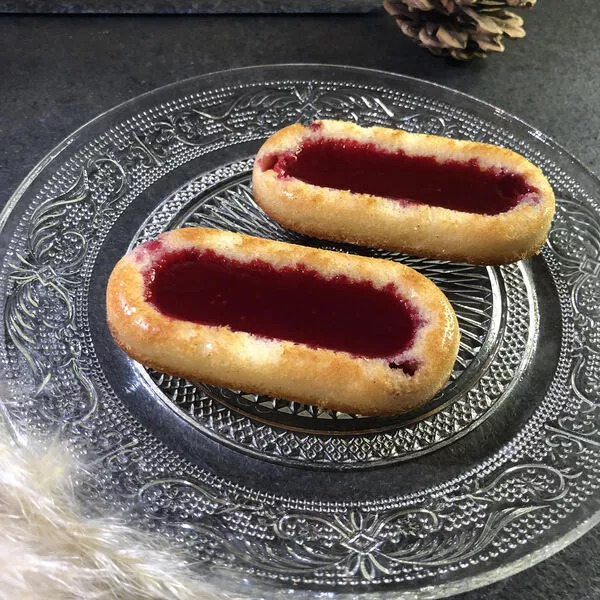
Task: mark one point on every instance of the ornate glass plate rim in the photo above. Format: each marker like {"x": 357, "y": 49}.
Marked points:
{"x": 569, "y": 437}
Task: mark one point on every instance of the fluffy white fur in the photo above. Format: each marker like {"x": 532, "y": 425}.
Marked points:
{"x": 49, "y": 551}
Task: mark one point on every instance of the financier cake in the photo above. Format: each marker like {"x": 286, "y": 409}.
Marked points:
{"x": 419, "y": 194}
{"x": 344, "y": 332}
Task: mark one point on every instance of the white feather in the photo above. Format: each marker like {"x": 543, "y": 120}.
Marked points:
{"x": 50, "y": 551}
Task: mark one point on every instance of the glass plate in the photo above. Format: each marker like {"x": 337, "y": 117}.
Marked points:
{"x": 494, "y": 474}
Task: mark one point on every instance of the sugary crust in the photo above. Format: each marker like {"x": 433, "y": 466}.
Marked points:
{"x": 417, "y": 229}
{"x": 221, "y": 356}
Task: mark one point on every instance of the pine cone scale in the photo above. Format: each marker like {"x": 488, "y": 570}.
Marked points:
{"x": 452, "y": 39}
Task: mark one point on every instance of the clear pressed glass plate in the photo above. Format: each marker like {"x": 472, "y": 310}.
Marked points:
{"x": 494, "y": 474}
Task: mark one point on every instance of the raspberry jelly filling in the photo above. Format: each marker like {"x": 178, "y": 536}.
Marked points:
{"x": 345, "y": 164}
{"x": 294, "y": 303}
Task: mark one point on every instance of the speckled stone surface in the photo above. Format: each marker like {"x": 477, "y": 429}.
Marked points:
{"x": 57, "y": 72}
{"x": 185, "y": 6}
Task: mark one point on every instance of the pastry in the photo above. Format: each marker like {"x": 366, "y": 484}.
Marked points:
{"x": 355, "y": 334}
{"x": 419, "y": 194}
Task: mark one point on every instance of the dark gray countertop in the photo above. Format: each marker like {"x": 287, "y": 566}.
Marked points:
{"x": 184, "y": 6}
{"x": 57, "y": 72}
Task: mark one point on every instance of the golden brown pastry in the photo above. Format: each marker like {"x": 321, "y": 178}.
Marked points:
{"x": 345, "y": 332}
{"x": 420, "y": 194}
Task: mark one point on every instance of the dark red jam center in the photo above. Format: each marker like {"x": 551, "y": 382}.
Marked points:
{"x": 366, "y": 169}
{"x": 291, "y": 303}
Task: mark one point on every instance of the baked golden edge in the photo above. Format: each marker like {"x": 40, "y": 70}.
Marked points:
{"x": 220, "y": 356}
{"x": 417, "y": 229}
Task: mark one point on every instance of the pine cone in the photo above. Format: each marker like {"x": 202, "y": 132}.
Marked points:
{"x": 459, "y": 28}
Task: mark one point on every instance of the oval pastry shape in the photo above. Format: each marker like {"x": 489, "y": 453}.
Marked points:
{"x": 419, "y": 194}
{"x": 344, "y": 332}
